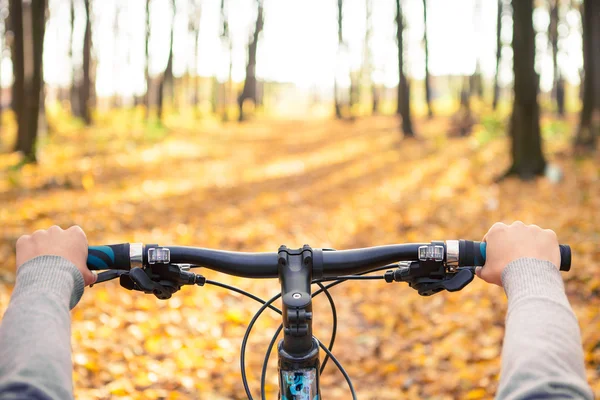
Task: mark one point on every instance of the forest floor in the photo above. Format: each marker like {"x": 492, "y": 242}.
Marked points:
{"x": 333, "y": 184}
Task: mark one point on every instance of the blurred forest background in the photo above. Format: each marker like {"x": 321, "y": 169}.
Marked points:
{"x": 246, "y": 124}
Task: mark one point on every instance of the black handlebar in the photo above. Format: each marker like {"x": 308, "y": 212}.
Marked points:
{"x": 260, "y": 265}
{"x": 326, "y": 262}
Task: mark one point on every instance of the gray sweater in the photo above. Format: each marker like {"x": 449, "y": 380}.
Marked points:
{"x": 542, "y": 357}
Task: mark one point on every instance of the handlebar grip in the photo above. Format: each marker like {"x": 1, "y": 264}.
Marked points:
{"x": 113, "y": 256}
{"x": 473, "y": 253}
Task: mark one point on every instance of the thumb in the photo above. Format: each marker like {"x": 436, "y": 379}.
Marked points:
{"x": 478, "y": 272}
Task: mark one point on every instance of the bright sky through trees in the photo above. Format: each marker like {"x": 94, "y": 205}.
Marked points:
{"x": 299, "y": 42}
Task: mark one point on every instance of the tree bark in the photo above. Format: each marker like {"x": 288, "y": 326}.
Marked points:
{"x": 403, "y": 108}
{"x": 74, "y": 88}
{"x": 498, "y": 55}
{"x": 195, "y": 27}
{"x": 18, "y": 62}
{"x": 86, "y": 83}
{"x": 427, "y": 82}
{"x": 147, "y": 62}
{"x": 222, "y": 92}
{"x": 589, "y": 124}
{"x": 28, "y": 124}
{"x": 166, "y": 80}
{"x": 249, "y": 90}
{"x": 336, "y": 97}
{"x": 526, "y": 150}
{"x": 558, "y": 91}
{"x": 476, "y": 80}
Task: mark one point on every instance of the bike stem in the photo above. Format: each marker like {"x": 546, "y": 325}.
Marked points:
{"x": 298, "y": 351}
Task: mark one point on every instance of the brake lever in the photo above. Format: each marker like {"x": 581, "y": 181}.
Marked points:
{"x": 109, "y": 275}
{"x": 138, "y": 279}
{"x": 427, "y": 287}
{"x": 429, "y": 277}
{"x": 162, "y": 280}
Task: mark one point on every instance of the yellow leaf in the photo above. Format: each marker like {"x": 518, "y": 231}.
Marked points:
{"x": 87, "y": 181}
{"x": 475, "y": 394}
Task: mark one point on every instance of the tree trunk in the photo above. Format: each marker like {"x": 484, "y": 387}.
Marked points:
{"x": 18, "y": 62}
{"x": 28, "y": 126}
{"x": 195, "y": 28}
{"x": 86, "y": 83}
{"x": 166, "y": 80}
{"x": 498, "y": 55}
{"x": 476, "y": 80}
{"x": 117, "y": 61}
{"x": 197, "y": 74}
{"x": 558, "y": 91}
{"x": 427, "y": 82}
{"x": 221, "y": 92}
{"x": 147, "y": 63}
{"x": 589, "y": 124}
{"x": 403, "y": 108}
{"x": 375, "y": 94}
{"x": 249, "y": 91}
{"x": 336, "y": 97}
{"x": 527, "y": 157}
{"x": 74, "y": 88}
{"x": 369, "y": 57}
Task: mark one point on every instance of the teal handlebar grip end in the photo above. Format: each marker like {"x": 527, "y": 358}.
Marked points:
{"x": 565, "y": 255}
{"x": 114, "y": 256}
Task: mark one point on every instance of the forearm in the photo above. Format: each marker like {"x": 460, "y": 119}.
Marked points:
{"x": 35, "y": 334}
{"x": 542, "y": 354}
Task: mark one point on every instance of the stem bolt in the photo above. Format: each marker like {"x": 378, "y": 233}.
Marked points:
{"x": 296, "y": 295}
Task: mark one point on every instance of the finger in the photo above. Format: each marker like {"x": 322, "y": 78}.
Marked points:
{"x": 54, "y": 228}
{"x": 94, "y": 278}
{"x": 22, "y": 240}
{"x": 76, "y": 229}
{"x": 89, "y": 278}
{"x": 478, "y": 272}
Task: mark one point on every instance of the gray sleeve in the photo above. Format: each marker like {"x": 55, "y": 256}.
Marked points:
{"x": 542, "y": 355}
{"x": 35, "y": 334}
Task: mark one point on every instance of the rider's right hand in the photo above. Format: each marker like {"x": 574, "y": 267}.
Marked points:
{"x": 70, "y": 244}
{"x": 507, "y": 243}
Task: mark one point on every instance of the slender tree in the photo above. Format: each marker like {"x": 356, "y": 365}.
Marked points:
{"x": 368, "y": 61}
{"x": 589, "y": 123}
{"x": 196, "y": 13}
{"x": 498, "y": 54}
{"x": 558, "y": 89}
{"x": 74, "y": 88}
{"x": 2, "y": 41}
{"x": 18, "y": 63}
{"x": 336, "y": 97}
{"x": 403, "y": 108}
{"x": 249, "y": 90}
{"x": 427, "y": 81}
{"x": 117, "y": 60}
{"x": 29, "y": 119}
{"x": 85, "y": 90}
{"x": 526, "y": 150}
{"x": 167, "y": 76}
{"x": 223, "y": 93}
{"x": 476, "y": 81}
{"x": 147, "y": 61}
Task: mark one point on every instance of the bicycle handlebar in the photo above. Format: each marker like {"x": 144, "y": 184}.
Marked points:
{"x": 326, "y": 262}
